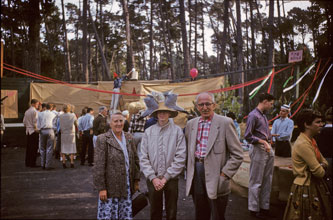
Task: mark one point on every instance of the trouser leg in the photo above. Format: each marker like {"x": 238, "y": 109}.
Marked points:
{"x": 42, "y": 147}
{"x": 171, "y": 198}
{"x": 258, "y": 158}
{"x": 85, "y": 142}
{"x": 58, "y": 146}
{"x": 34, "y": 148}
{"x": 28, "y": 151}
{"x": 266, "y": 186}
{"x": 218, "y": 207}
{"x": 90, "y": 149}
{"x": 199, "y": 194}
{"x": 49, "y": 148}
{"x": 156, "y": 201}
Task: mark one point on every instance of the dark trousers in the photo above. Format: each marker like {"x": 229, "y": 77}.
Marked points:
{"x": 204, "y": 206}
{"x": 170, "y": 191}
{"x": 58, "y": 146}
{"x": 32, "y": 148}
{"x": 87, "y": 141}
{"x": 282, "y": 149}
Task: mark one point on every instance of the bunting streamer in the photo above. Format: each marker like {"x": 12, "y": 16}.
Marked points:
{"x": 255, "y": 90}
{"x": 300, "y": 79}
{"x": 47, "y": 79}
{"x": 286, "y": 82}
{"x": 320, "y": 85}
{"x": 271, "y": 82}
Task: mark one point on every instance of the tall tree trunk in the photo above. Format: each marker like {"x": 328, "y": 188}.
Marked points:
{"x": 203, "y": 41}
{"x": 102, "y": 33}
{"x": 130, "y": 57}
{"x": 34, "y": 39}
{"x": 151, "y": 43}
{"x": 247, "y": 38}
{"x": 239, "y": 48}
{"x": 66, "y": 45}
{"x": 165, "y": 41}
{"x": 253, "y": 42}
{"x": 282, "y": 60}
{"x": 84, "y": 41}
{"x": 264, "y": 47}
{"x": 173, "y": 76}
{"x": 195, "y": 33}
{"x": 90, "y": 59}
{"x": 190, "y": 28}
{"x": 224, "y": 35}
{"x": 270, "y": 33}
{"x": 107, "y": 75}
{"x": 184, "y": 39}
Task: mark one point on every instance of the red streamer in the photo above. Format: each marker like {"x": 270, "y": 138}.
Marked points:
{"x": 271, "y": 82}
{"x": 34, "y": 75}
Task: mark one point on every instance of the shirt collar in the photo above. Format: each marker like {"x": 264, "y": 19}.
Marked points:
{"x": 262, "y": 113}
{"x": 101, "y": 115}
{"x": 206, "y": 120}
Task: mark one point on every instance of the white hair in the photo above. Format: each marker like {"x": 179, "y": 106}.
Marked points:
{"x": 101, "y": 109}
{"x": 202, "y": 93}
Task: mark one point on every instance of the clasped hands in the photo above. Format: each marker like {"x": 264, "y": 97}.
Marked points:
{"x": 159, "y": 183}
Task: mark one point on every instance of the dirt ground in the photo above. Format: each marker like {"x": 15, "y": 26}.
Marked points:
{"x": 33, "y": 193}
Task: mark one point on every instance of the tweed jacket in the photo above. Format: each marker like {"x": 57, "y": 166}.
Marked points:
{"x": 305, "y": 162}
{"x": 224, "y": 154}
{"x": 109, "y": 171}
{"x": 100, "y": 125}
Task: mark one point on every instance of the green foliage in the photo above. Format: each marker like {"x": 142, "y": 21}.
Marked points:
{"x": 227, "y": 102}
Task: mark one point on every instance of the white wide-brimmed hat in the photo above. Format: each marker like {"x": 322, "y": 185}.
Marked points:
{"x": 163, "y": 107}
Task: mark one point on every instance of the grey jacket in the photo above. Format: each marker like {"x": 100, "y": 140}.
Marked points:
{"x": 109, "y": 172}
{"x": 163, "y": 151}
{"x": 224, "y": 154}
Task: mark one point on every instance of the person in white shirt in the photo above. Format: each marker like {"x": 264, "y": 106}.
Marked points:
{"x": 46, "y": 123}
{"x": 30, "y": 123}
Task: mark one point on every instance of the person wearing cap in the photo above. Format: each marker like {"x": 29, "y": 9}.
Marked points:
{"x": 162, "y": 159}
{"x": 281, "y": 132}
{"x": 213, "y": 158}
{"x": 116, "y": 88}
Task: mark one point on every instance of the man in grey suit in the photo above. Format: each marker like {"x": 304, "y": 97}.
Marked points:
{"x": 214, "y": 156}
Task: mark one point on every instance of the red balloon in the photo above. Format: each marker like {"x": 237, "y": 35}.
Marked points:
{"x": 194, "y": 73}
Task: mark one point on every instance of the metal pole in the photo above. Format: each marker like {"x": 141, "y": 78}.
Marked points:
{"x": 297, "y": 77}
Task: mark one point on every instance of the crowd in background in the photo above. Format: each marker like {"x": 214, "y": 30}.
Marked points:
{"x": 64, "y": 135}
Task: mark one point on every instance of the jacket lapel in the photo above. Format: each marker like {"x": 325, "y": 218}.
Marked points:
{"x": 111, "y": 140}
{"x": 212, "y": 134}
{"x": 194, "y": 132}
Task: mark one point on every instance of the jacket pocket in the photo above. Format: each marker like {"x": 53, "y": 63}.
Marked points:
{"x": 218, "y": 147}
{"x": 223, "y": 185}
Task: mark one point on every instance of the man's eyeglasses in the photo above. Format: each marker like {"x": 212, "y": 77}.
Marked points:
{"x": 207, "y": 104}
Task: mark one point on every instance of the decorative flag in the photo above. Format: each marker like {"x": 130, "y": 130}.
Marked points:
{"x": 321, "y": 83}
{"x": 306, "y": 73}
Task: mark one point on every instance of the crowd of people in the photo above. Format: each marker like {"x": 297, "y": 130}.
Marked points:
{"x": 209, "y": 149}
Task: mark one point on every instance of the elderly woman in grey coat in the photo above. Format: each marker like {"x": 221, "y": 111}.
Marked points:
{"x": 116, "y": 172}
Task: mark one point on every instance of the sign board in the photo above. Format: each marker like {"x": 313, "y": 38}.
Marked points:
{"x": 295, "y": 56}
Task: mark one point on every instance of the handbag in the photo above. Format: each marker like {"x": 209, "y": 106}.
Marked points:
{"x": 139, "y": 202}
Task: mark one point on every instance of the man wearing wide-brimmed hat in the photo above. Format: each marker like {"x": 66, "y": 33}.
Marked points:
{"x": 281, "y": 132}
{"x": 162, "y": 159}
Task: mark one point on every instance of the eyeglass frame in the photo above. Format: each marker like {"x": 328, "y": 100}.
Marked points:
{"x": 207, "y": 104}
